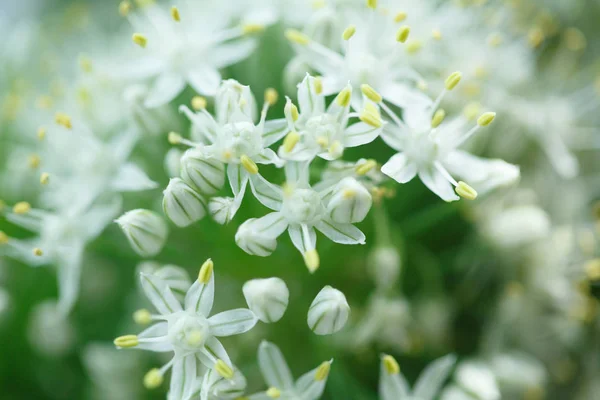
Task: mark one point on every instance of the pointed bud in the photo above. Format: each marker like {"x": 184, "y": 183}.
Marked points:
{"x": 267, "y": 298}
{"x": 145, "y": 230}
{"x": 181, "y": 204}
{"x": 350, "y": 202}
{"x": 207, "y": 176}
{"x": 328, "y": 312}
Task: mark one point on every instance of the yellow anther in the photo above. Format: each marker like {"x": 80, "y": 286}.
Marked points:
{"x": 34, "y": 161}
{"x": 413, "y": 46}
{"x": 227, "y": 155}
{"x": 390, "y": 365}
{"x": 401, "y": 16}
{"x": 323, "y": 141}
{"x": 317, "y": 4}
{"x": 472, "y": 110}
{"x": 273, "y": 393}
{"x": 290, "y": 141}
{"x": 336, "y": 149}
{"x": 175, "y": 14}
{"x": 486, "y": 119}
{"x": 318, "y": 83}
{"x": 38, "y": 252}
{"x": 85, "y": 64}
{"x": 41, "y": 133}
{"x": 343, "y": 99}
{"x": 124, "y": 8}
{"x": 453, "y": 80}
{"x": 198, "y": 103}
{"x": 22, "y": 207}
{"x": 535, "y": 37}
{"x": 371, "y": 119}
{"x": 248, "y": 29}
{"x": 144, "y": 3}
{"x": 291, "y": 110}
{"x": 142, "y": 317}
{"x": 349, "y": 32}
{"x": 371, "y": 93}
{"x": 271, "y": 96}
{"x": 126, "y": 341}
{"x": 206, "y": 271}
{"x": 248, "y": 164}
{"x": 174, "y": 138}
{"x": 372, "y": 4}
{"x": 592, "y": 269}
{"x": 139, "y": 39}
{"x": 64, "y": 120}
{"x": 402, "y": 34}
{"x": 3, "y": 238}
{"x": 153, "y": 379}
{"x": 465, "y": 191}
{"x": 297, "y": 37}
{"x": 575, "y": 39}
{"x": 438, "y": 118}
{"x": 348, "y": 194}
{"x": 45, "y": 178}
{"x": 223, "y": 369}
{"x": 436, "y": 34}
{"x": 322, "y": 371}
{"x": 365, "y": 168}
{"x": 495, "y": 40}
{"x": 312, "y": 261}
{"x": 44, "y": 102}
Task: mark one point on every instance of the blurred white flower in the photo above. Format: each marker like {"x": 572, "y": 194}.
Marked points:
{"x": 328, "y": 312}
{"x": 49, "y": 332}
{"x": 474, "y": 380}
{"x": 145, "y": 230}
{"x": 181, "y": 204}
{"x": 267, "y": 298}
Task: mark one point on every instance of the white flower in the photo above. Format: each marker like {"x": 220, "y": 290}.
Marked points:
{"x": 350, "y": 202}
{"x": 427, "y": 147}
{"x": 372, "y": 54}
{"x": 328, "y": 312}
{"x": 188, "y": 46}
{"x": 393, "y": 385}
{"x": 181, "y": 204}
{"x": 319, "y": 131}
{"x": 187, "y": 331}
{"x": 300, "y": 210}
{"x": 172, "y": 162}
{"x": 49, "y": 332}
{"x": 213, "y": 386}
{"x": 475, "y": 379}
{"x": 267, "y": 298}
{"x": 277, "y": 375}
{"x": 231, "y": 139}
{"x": 145, "y": 230}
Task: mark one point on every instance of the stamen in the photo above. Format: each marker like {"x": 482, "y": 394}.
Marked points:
{"x": 44, "y": 102}
{"x": 349, "y": 32}
{"x": 413, "y": 46}
{"x": 223, "y": 369}
{"x": 371, "y": 93}
{"x": 535, "y": 37}
{"x": 291, "y": 110}
{"x": 38, "y": 252}
{"x": 465, "y": 191}
{"x": 249, "y": 165}
{"x": 142, "y": 317}
{"x": 126, "y": 341}
{"x": 402, "y": 34}
{"x": 297, "y": 37}
{"x": 124, "y": 8}
{"x": 21, "y": 208}
{"x": 271, "y": 96}
{"x": 312, "y": 261}
{"x": 371, "y": 118}
{"x": 318, "y": 83}
{"x": 153, "y": 379}
{"x": 45, "y": 178}
{"x": 438, "y": 118}
{"x": 139, "y": 39}
{"x": 486, "y": 119}
{"x": 198, "y": 103}
{"x": 174, "y": 138}
{"x": 323, "y": 371}
{"x": 273, "y": 393}
{"x": 391, "y": 365}
{"x": 175, "y": 14}
{"x": 365, "y": 167}
{"x": 63, "y": 119}
{"x": 472, "y": 110}
{"x": 206, "y": 271}
{"x": 195, "y": 338}
{"x": 372, "y": 4}
{"x": 34, "y": 161}
{"x": 436, "y": 34}
{"x": 336, "y": 149}
{"x": 453, "y": 80}
{"x": 41, "y": 133}
{"x": 344, "y": 97}
{"x": 399, "y": 17}
{"x": 290, "y": 141}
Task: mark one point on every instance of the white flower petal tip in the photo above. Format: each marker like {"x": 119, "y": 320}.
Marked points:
{"x": 351, "y": 202}
{"x": 182, "y": 204}
{"x": 145, "y": 230}
{"x": 267, "y": 298}
{"x": 328, "y": 312}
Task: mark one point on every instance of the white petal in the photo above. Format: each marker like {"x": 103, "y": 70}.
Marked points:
{"x": 69, "y": 276}
{"x": 166, "y": 87}
{"x": 159, "y": 293}
{"x": 183, "y": 377}
{"x": 273, "y": 366}
{"x": 393, "y": 386}
{"x": 214, "y": 351}
{"x": 226, "y": 54}
{"x": 274, "y": 130}
{"x": 223, "y": 209}
{"x": 310, "y": 388}
{"x": 238, "y": 178}
{"x": 359, "y": 134}
{"x": 159, "y": 330}
{"x": 268, "y": 156}
{"x": 200, "y": 296}
{"x": 432, "y": 379}
{"x": 296, "y": 173}
{"x": 341, "y": 233}
{"x": 131, "y": 178}
{"x": 309, "y": 101}
{"x": 269, "y": 195}
{"x": 206, "y": 175}
{"x": 399, "y": 168}
{"x": 328, "y": 312}
{"x": 297, "y": 237}
{"x": 436, "y": 182}
{"x": 205, "y": 80}
{"x": 405, "y": 96}
{"x": 232, "y": 322}
{"x": 259, "y": 236}
{"x": 267, "y": 298}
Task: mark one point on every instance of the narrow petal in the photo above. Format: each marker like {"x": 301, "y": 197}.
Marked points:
{"x": 200, "y": 297}
{"x": 273, "y": 366}
{"x": 309, "y": 387}
{"x": 432, "y": 379}
{"x": 166, "y": 87}
{"x": 436, "y": 182}
{"x": 131, "y": 178}
{"x": 159, "y": 293}
{"x": 213, "y": 351}
{"x": 183, "y": 377}
{"x": 298, "y": 239}
{"x": 399, "y": 168}
{"x": 274, "y": 130}
{"x": 159, "y": 341}
{"x": 405, "y": 96}
{"x": 226, "y": 54}
{"x": 269, "y": 195}
{"x": 309, "y": 101}
{"x": 393, "y": 386}
{"x": 359, "y": 134}
{"x": 205, "y": 80}
{"x": 232, "y": 322}
{"x": 341, "y": 233}
{"x": 238, "y": 177}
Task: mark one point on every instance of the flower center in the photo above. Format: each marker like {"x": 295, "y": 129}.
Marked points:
{"x": 302, "y": 206}
{"x": 322, "y": 130}
{"x": 240, "y": 138}
{"x": 188, "y": 331}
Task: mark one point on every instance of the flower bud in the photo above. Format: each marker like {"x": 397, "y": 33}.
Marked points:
{"x": 222, "y": 209}
{"x": 207, "y": 176}
{"x": 328, "y": 312}
{"x": 181, "y": 204}
{"x": 267, "y": 298}
{"x": 173, "y": 162}
{"x": 254, "y": 242}
{"x": 146, "y": 231}
{"x": 350, "y": 202}
{"x": 384, "y": 264}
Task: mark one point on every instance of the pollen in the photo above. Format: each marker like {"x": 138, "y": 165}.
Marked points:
{"x": 126, "y": 341}
{"x": 64, "y": 120}
{"x": 174, "y": 138}
{"x": 402, "y": 34}
{"x": 45, "y": 178}
{"x": 273, "y": 393}
{"x": 249, "y": 29}
{"x": 139, "y": 39}
{"x": 206, "y": 271}
{"x": 349, "y": 32}
{"x": 297, "y": 37}
{"x": 472, "y": 110}
{"x": 291, "y": 110}
{"x": 343, "y": 99}
{"x": 436, "y": 34}
{"x": 453, "y": 80}
{"x": 34, "y": 161}
{"x": 271, "y": 96}
{"x": 372, "y": 4}
{"x": 399, "y": 17}
{"x": 371, "y": 119}
{"x": 38, "y": 252}
{"x": 312, "y": 260}
{"x": 175, "y": 14}
{"x": 414, "y": 46}
{"x": 153, "y": 379}
{"x": 365, "y": 167}
{"x": 142, "y": 317}
{"x": 486, "y": 119}
{"x": 198, "y": 103}
{"x": 223, "y": 369}
{"x": 290, "y": 141}
{"x": 318, "y": 83}
{"x": 438, "y": 118}
{"x": 371, "y": 93}
{"x": 391, "y": 365}
{"x": 22, "y": 207}
{"x": 465, "y": 191}
{"x": 124, "y": 8}
{"x": 249, "y": 165}
{"x": 41, "y": 133}
{"x": 322, "y": 371}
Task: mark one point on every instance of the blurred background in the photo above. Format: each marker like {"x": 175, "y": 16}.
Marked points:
{"x": 507, "y": 282}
